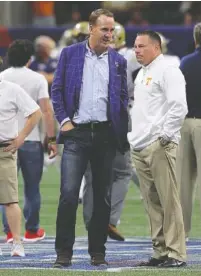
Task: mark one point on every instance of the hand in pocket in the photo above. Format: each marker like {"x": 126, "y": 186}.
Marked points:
{"x": 67, "y": 126}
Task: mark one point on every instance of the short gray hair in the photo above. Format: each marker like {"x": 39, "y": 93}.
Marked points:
{"x": 197, "y": 34}
{"x": 45, "y": 41}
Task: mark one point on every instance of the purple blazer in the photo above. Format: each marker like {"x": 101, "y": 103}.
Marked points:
{"x": 66, "y": 88}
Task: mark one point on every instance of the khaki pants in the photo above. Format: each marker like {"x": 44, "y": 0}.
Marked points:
{"x": 8, "y": 177}
{"x": 155, "y": 166}
{"x": 189, "y": 167}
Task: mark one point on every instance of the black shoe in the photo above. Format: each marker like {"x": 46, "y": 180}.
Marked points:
{"x": 62, "y": 261}
{"x": 171, "y": 262}
{"x": 114, "y": 234}
{"x": 98, "y": 259}
{"x": 152, "y": 262}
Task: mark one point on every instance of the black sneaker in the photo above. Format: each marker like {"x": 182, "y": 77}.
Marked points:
{"x": 98, "y": 259}
{"x": 62, "y": 261}
{"x": 171, "y": 262}
{"x": 152, "y": 262}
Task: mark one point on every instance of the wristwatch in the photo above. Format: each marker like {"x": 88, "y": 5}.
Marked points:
{"x": 52, "y": 140}
{"x": 164, "y": 141}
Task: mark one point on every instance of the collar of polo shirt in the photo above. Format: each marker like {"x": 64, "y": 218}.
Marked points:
{"x": 146, "y": 67}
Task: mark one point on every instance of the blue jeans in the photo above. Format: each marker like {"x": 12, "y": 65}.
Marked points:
{"x": 121, "y": 177}
{"x": 30, "y": 161}
{"x": 80, "y": 147}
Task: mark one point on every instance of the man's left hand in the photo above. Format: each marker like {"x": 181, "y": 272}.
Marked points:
{"x": 52, "y": 150}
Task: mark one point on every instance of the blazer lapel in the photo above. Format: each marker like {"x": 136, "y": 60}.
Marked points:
{"x": 114, "y": 68}
{"x": 114, "y": 86}
{"x": 111, "y": 60}
{"x": 81, "y": 54}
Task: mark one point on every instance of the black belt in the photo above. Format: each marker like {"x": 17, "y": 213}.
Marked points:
{"x": 92, "y": 125}
{"x": 193, "y": 117}
{"x": 3, "y": 145}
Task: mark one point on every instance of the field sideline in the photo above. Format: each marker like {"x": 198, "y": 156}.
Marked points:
{"x": 134, "y": 223}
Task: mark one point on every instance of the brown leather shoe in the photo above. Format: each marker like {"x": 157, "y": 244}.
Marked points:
{"x": 98, "y": 259}
{"x": 114, "y": 234}
{"x": 62, "y": 261}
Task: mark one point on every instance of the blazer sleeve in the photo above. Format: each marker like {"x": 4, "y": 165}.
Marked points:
{"x": 124, "y": 118}
{"x": 58, "y": 88}
{"x": 124, "y": 88}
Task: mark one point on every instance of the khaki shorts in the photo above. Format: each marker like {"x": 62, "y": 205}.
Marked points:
{"x": 8, "y": 177}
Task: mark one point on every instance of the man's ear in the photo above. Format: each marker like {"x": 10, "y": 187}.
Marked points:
{"x": 90, "y": 29}
{"x": 158, "y": 46}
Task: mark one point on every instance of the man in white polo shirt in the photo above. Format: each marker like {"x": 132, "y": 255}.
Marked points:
{"x": 13, "y": 99}
{"x": 157, "y": 116}
{"x": 31, "y": 154}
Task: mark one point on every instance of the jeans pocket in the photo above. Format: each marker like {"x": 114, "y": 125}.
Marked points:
{"x": 68, "y": 132}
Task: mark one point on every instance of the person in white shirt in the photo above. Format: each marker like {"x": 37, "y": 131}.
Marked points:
{"x": 12, "y": 100}
{"x": 169, "y": 57}
{"x": 31, "y": 153}
{"x": 157, "y": 116}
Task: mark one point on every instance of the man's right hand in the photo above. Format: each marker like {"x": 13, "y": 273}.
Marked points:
{"x": 15, "y": 144}
{"x": 67, "y": 126}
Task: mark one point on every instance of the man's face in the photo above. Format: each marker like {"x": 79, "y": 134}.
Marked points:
{"x": 43, "y": 50}
{"x": 102, "y": 32}
{"x": 145, "y": 49}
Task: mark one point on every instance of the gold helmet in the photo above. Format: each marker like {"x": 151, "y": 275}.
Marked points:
{"x": 119, "y": 36}
{"x": 164, "y": 43}
{"x": 81, "y": 28}
{"x": 67, "y": 38}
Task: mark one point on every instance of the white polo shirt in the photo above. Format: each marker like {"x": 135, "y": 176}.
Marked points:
{"x": 35, "y": 86}
{"x": 12, "y": 100}
{"x": 160, "y": 104}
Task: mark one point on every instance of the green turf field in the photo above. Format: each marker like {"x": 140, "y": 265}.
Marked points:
{"x": 124, "y": 273}
{"x": 133, "y": 223}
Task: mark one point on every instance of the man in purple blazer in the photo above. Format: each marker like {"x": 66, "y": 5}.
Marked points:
{"x": 89, "y": 96}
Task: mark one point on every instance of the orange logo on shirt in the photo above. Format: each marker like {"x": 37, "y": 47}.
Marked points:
{"x": 148, "y": 80}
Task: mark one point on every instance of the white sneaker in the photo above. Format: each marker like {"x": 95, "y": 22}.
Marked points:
{"x": 17, "y": 250}
{"x": 1, "y": 252}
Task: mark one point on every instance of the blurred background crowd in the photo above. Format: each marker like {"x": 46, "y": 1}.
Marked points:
{"x": 31, "y": 19}
{"x": 60, "y": 13}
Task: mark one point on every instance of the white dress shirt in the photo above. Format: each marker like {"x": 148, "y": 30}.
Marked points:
{"x": 160, "y": 104}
